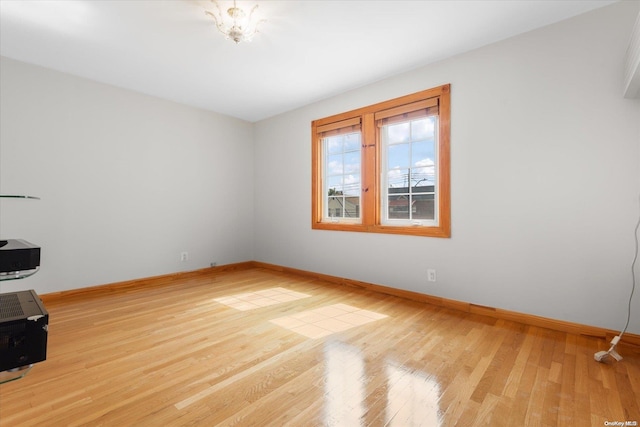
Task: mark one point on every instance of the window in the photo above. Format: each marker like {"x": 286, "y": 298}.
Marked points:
{"x": 342, "y": 148}
{"x": 385, "y": 168}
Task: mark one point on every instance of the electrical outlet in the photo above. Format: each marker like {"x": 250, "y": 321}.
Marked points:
{"x": 213, "y": 264}
{"x": 431, "y": 275}
{"x": 184, "y": 256}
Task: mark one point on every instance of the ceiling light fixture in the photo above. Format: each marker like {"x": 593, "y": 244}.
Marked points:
{"x": 238, "y": 26}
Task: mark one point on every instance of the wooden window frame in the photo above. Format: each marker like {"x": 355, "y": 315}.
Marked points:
{"x": 370, "y": 210}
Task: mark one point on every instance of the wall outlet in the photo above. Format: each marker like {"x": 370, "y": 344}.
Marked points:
{"x": 184, "y": 256}
{"x": 431, "y": 275}
{"x": 213, "y": 264}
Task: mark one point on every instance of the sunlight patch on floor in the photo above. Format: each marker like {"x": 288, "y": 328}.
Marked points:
{"x": 263, "y": 298}
{"x": 327, "y": 320}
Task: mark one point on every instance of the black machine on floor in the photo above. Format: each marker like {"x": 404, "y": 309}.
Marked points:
{"x": 24, "y": 327}
{"x": 24, "y": 321}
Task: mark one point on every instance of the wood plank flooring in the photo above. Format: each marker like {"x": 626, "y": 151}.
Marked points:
{"x": 236, "y": 349}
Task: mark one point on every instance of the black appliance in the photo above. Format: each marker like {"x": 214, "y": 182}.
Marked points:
{"x": 18, "y": 255}
{"x": 24, "y": 327}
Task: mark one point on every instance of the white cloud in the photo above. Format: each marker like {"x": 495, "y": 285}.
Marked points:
{"x": 425, "y": 163}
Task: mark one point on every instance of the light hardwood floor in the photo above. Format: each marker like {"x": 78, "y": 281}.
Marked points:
{"x": 296, "y": 351}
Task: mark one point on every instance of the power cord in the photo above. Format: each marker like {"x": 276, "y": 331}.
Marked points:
{"x": 601, "y": 355}
{"x": 633, "y": 275}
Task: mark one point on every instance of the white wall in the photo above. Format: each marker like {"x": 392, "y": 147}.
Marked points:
{"x": 544, "y": 179}
{"x": 126, "y": 181}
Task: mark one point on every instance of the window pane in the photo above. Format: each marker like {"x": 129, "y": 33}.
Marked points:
{"x": 421, "y": 152}
{"x": 352, "y": 142}
{"x": 334, "y": 164}
{"x": 398, "y": 180}
{"x": 343, "y": 207}
{"x": 334, "y": 185}
{"x": 352, "y": 162}
{"x": 342, "y": 181}
{"x": 398, "y": 207}
{"x": 351, "y": 186}
{"x": 398, "y": 156}
{"x": 397, "y": 133}
{"x": 410, "y": 150}
{"x": 334, "y": 207}
{"x": 352, "y": 207}
{"x": 422, "y": 179}
{"x": 423, "y": 207}
{"x": 423, "y": 128}
{"x": 333, "y": 144}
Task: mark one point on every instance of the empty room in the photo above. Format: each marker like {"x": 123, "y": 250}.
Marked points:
{"x": 319, "y": 213}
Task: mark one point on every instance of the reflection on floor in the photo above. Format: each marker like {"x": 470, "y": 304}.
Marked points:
{"x": 327, "y": 320}
{"x": 412, "y": 397}
{"x": 344, "y": 386}
{"x": 261, "y": 298}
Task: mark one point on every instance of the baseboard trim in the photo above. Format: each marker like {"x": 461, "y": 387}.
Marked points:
{"x": 497, "y": 313}
{"x": 147, "y": 282}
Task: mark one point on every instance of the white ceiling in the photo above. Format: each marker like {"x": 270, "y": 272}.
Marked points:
{"x": 306, "y": 51}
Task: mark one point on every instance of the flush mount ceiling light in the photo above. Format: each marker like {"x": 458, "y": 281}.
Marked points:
{"x": 236, "y": 25}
